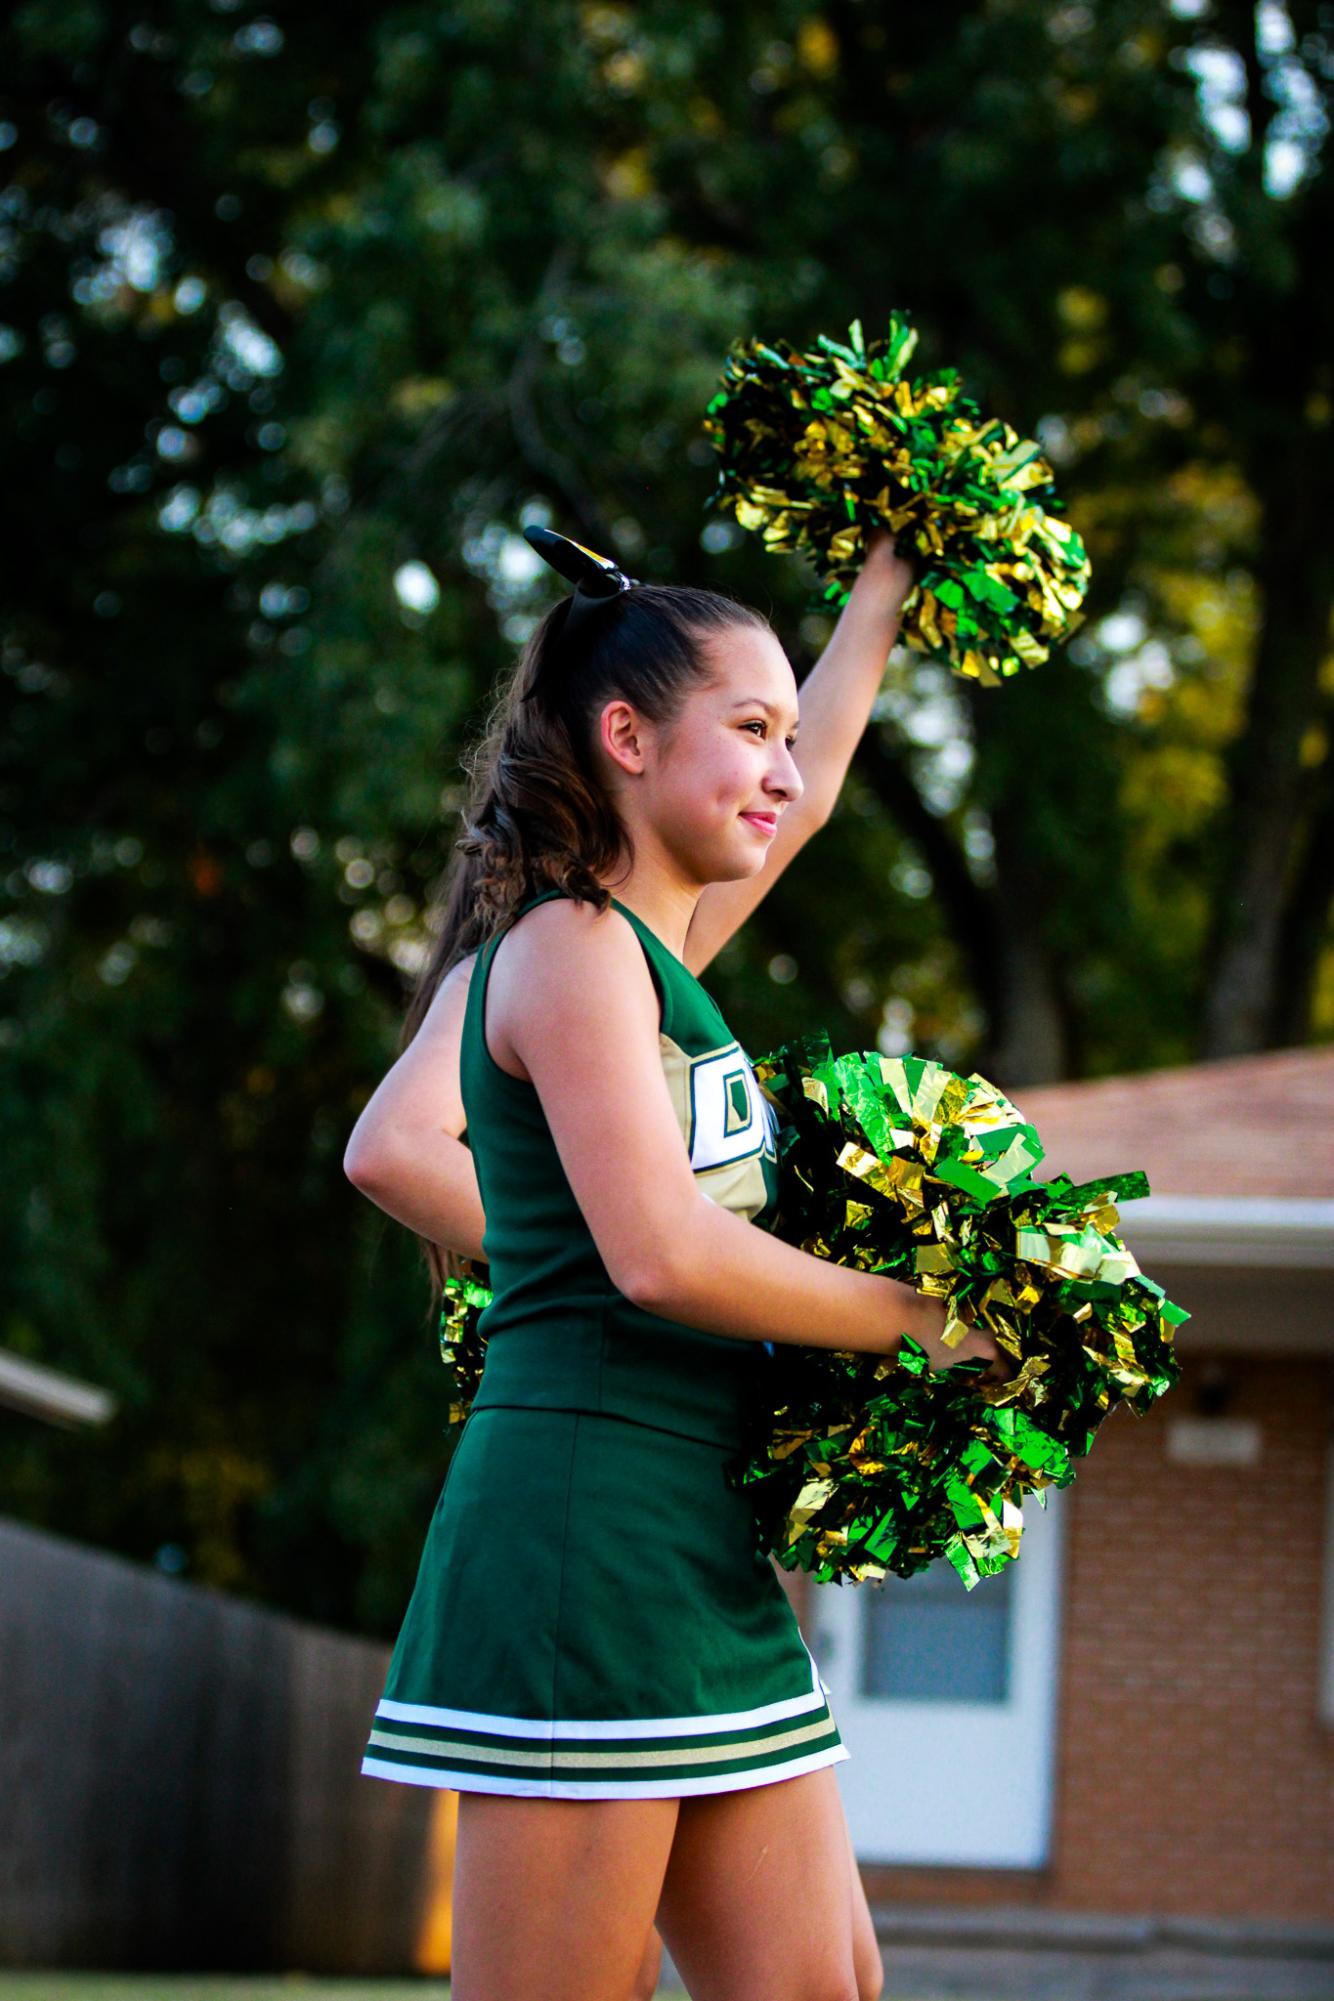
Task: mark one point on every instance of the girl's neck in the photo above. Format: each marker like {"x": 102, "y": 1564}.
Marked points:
{"x": 663, "y": 901}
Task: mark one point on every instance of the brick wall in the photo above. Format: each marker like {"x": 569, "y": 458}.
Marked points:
{"x": 1194, "y": 1775}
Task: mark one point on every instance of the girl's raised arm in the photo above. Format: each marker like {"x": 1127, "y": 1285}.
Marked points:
{"x": 835, "y": 701}
{"x": 665, "y": 1244}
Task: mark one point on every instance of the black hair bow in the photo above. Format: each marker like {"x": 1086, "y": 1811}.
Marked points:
{"x": 596, "y": 579}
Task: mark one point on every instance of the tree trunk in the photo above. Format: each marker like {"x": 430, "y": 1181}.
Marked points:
{"x": 1306, "y": 920}
{"x": 997, "y": 927}
{"x": 1028, "y": 1042}
{"x": 1296, "y": 577}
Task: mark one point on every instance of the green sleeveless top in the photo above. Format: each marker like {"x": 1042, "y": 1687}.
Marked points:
{"x": 559, "y": 1334}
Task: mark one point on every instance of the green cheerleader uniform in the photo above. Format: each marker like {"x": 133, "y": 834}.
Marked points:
{"x": 591, "y": 1619}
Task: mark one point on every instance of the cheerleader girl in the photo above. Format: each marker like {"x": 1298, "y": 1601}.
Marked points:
{"x": 594, "y": 1656}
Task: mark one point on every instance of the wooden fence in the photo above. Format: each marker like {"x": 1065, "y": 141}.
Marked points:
{"x": 179, "y": 1782}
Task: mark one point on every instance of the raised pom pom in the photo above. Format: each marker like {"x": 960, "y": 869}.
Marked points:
{"x": 816, "y": 449}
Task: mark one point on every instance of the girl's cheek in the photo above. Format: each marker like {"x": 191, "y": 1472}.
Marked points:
{"x": 736, "y": 783}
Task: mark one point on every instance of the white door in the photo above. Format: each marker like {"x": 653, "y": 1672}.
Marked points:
{"x": 946, "y": 1700}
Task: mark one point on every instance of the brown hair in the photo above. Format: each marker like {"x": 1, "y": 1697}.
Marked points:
{"x": 538, "y": 815}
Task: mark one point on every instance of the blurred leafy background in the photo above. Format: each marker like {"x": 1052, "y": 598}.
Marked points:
{"x": 303, "y": 312}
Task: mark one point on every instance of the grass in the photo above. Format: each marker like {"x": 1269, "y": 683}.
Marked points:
{"x": 225, "y": 1987}
{"x": 211, "y": 1987}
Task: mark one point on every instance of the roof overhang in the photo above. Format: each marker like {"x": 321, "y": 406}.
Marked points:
{"x": 1233, "y": 1230}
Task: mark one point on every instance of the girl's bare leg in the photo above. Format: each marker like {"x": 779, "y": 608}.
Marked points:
{"x": 756, "y": 1903}
{"x": 650, "y": 1968}
{"x": 867, "y": 1958}
{"x": 555, "y": 1897}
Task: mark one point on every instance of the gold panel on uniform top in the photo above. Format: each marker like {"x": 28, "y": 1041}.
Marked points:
{"x": 726, "y": 1150}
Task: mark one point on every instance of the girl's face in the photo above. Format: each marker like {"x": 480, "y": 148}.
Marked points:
{"x": 711, "y": 788}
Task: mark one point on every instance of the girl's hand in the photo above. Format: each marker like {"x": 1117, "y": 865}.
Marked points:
{"x": 884, "y": 568}
{"x": 975, "y": 1344}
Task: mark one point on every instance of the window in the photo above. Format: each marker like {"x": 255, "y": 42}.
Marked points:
{"x": 926, "y": 1639}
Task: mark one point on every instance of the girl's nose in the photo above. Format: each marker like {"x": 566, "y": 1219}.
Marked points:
{"x": 786, "y": 778}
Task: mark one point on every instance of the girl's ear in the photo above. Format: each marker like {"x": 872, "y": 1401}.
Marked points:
{"x": 623, "y": 734}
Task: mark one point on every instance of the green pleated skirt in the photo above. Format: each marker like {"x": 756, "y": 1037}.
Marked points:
{"x": 591, "y": 1620}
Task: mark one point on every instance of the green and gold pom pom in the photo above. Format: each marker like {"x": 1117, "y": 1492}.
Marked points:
{"x": 462, "y": 1345}
{"x": 861, "y": 1464}
{"x": 816, "y": 449}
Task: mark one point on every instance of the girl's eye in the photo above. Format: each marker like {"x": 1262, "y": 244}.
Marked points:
{"x": 756, "y": 724}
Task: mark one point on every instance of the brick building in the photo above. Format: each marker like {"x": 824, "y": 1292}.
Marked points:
{"x": 1139, "y": 1715}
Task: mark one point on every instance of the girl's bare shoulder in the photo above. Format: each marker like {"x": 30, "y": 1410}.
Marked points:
{"x": 557, "y": 965}
{"x": 444, "y": 1015}
{"x": 460, "y": 973}
{"x": 570, "y": 935}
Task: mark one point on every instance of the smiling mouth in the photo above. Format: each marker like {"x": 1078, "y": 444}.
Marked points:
{"x": 769, "y": 821}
